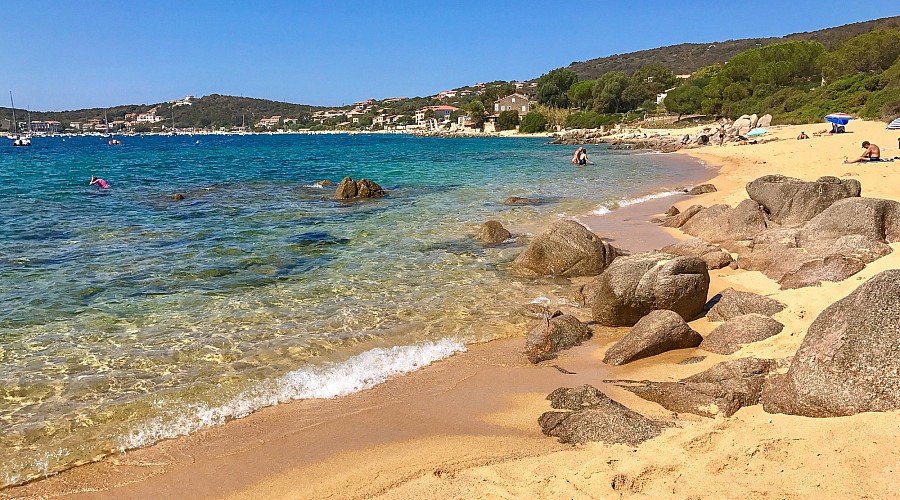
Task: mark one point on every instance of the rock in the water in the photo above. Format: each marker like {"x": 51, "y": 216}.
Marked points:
{"x": 566, "y": 249}
{"x": 673, "y": 210}
{"x": 177, "y": 196}
{"x": 325, "y": 183}
{"x": 702, "y": 189}
{"x": 363, "y": 188}
{"x": 728, "y": 337}
{"x": 601, "y": 419}
{"x": 634, "y": 285}
{"x": 655, "y": 333}
{"x": 791, "y": 202}
{"x": 848, "y": 362}
{"x": 723, "y": 389}
{"x": 518, "y": 200}
{"x": 558, "y": 333}
{"x": 732, "y": 303}
{"x": 493, "y": 233}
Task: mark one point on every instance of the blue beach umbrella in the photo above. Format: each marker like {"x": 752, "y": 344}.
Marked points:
{"x": 838, "y": 118}
{"x": 894, "y": 125}
{"x": 757, "y": 132}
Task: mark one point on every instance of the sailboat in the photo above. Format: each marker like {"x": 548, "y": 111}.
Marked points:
{"x": 17, "y": 138}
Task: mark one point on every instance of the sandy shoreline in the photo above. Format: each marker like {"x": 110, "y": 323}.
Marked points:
{"x": 467, "y": 427}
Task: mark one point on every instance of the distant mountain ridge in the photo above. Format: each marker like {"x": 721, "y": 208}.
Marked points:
{"x": 688, "y": 57}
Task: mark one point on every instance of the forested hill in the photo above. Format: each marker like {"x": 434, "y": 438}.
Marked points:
{"x": 686, "y": 58}
{"x": 213, "y": 110}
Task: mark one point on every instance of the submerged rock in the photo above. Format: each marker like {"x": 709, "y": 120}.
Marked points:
{"x": 518, "y": 200}
{"x": 493, "y": 233}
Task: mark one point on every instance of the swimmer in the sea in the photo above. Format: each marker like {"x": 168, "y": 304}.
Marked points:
{"x": 98, "y": 181}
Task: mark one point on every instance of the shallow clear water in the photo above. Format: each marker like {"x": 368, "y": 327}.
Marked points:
{"x": 128, "y": 317}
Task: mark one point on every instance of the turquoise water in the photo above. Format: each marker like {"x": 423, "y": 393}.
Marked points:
{"x": 129, "y": 317}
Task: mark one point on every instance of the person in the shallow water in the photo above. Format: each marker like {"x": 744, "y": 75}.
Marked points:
{"x": 582, "y": 157}
{"x": 577, "y": 155}
{"x": 872, "y": 153}
{"x": 98, "y": 181}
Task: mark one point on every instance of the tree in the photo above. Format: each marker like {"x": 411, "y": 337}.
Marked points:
{"x": 870, "y": 52}
{"x": 508, "y": 120}
{"x": 533, "y": 122}
{"x": 608, "y": 92}
{"x": 552, "y": 87}
{"x": 476, "y": 112}
{"x": 581, "y": 94}
{"x": 683, "y": 100}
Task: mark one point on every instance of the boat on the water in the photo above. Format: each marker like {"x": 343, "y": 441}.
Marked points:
{"x": 14, "y": 135}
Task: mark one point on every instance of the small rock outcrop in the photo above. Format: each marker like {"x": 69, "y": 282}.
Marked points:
{"x": 566, "y": 249}
{"x": 673, "y": 210}
{"x": 634, "y": 285}
{"x": 725, "y": 225}
{"x": 177, "y": 196}
{"x": 493, "y": 233}
{"x": 681, "y": 218}
{"x": 848, "y": 362}
{"x": 595, "y": 417}
{"x": 558, "y": 333}
{"x": 363, "y": 188}
{"x": 702, "y": 189}
{"x": 790, "y": 201}
{"x": 729, "y": 337}
{"x": 655, "y": 333}
{"x": 723, "y": 389}
{"x": 731, "y": 303}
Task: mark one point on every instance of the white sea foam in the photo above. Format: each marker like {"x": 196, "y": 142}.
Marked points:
{"x": 356, "y": 374}
{"x": 624, "y": 202}
{"x": 317, "y": 185}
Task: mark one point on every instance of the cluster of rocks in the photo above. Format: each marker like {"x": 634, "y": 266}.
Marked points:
{"x": 796, "y": 232}
{"x": 364, "y": 188}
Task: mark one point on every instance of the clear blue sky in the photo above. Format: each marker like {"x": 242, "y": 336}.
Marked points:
{"x": 76, "y": 54}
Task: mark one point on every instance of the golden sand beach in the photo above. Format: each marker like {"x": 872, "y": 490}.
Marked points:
{"x": 467, "y": 427}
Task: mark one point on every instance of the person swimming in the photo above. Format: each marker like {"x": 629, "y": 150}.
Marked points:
{"x": 98, "y": 181}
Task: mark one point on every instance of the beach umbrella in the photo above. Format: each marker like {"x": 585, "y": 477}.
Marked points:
{"x": 838, "y": 118}
{"x": 894, "y": 125}
{"x": 757, "y": 132}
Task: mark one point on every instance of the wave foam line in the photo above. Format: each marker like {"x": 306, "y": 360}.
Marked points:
{"x": 624, "y": 202}
{"x": 358, "y": 373}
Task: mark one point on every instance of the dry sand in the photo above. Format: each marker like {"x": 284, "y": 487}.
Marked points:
{"x": 467, "y": 427}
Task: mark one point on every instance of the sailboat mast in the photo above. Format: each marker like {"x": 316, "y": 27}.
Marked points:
{"x": 15, "y": 124}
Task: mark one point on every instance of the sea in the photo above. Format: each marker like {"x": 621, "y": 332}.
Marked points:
{"x": 128, "y": 317}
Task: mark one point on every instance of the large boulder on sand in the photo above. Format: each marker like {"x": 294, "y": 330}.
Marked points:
{"x": 566, "y": 249}
{"x": 790, "y": 201}
{"x": 655, "y": 333}
{"x": 723, "y": 389}
{"x": 728, "y": 337}
{"x": 715, "y": 257}
{"x": 679, "y": 219}
{"x": 492, "y": 233}
{"x": 764, "y": 120}
{"x": 558, "y": 333}
{"x": 731, "y": 303}
{"x": 634, "y": 285}
{"x": 595, "y": 417}
{"x": 848, "y": 362}
{"x": 725, "y": 225}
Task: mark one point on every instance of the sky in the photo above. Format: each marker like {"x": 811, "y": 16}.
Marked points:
{"x": 62, "y": 55}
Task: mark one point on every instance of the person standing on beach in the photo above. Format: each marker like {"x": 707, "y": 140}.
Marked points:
{"x": 721, "y": 134}
{"x": 99, "y": 182}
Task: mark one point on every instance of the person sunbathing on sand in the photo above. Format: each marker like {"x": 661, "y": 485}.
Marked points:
{"x": 872, "y": 153}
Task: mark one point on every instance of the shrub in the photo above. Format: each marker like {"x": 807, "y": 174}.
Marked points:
{"x": 533, "y": 122}
{"x": 508, "y": 120}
